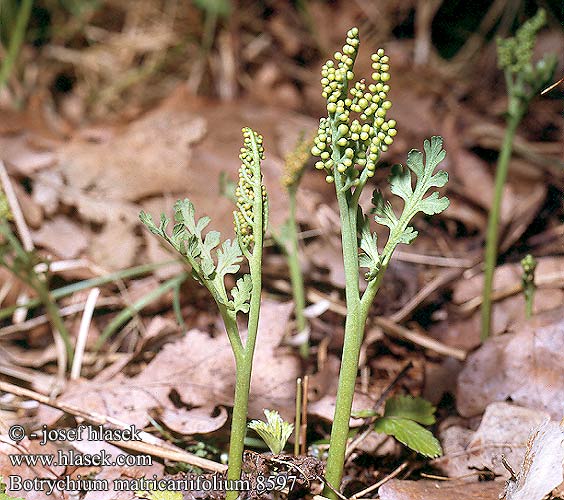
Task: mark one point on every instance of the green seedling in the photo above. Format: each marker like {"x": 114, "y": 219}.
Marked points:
{"x": 528, "y": 264}
{"x": 274, "y": 432}
{"x": 349, "y": 149}
{"x": 187, "y": 238}
{"x": 403, "y": 418}
{"x": 524, "y": 80}
{"x": 287, "y": 239}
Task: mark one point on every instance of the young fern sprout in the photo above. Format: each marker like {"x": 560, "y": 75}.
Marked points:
{"x": 528, "y": 266}
{"x": 349, "y": 143}
{"x": 274, "y": 432}
{"x": 524, "y": 80}
{"x": 250, "y": 223}
{"x": 294, "y": 167}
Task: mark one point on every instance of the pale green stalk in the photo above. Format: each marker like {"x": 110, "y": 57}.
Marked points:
{"x": 245, "y": 363}
{"x": 493, "y": 224}
{"x": 349, "y": 149}
{"x": 524, "y": 81}
{"x": 188, "y": 239}
{"x": 296, "y": 276}
{"x": 65, "y": 291}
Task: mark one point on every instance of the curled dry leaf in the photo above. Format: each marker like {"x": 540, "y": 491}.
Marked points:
{"x": 196, "y": 421}
{"x": 504, "y": 430}
{"x": 542, "y": 467}
{"x": 525, "y": 366}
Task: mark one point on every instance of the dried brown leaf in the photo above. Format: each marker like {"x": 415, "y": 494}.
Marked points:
{"x": 439, "y": 490}
{"x": 525, "y": 366}
{"x": 201, "y": 371}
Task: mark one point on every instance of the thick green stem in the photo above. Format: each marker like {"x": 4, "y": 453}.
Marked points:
{"x": 239, "y": 422}
{"x": 354, "y": 332}
{"x": 296, "y": 277}
{"x": 493, "y": 222}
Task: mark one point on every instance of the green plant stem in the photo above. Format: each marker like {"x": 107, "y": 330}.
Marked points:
{"x": 244, "y": 366}
{"x": 296, "y": 277}
{"x": 230, "y": 322}
{"x": 529, "y": 302}
{"x": 354, "y": 332}
{"x": 16, "y": 40}
{"x": 492, "y": 235}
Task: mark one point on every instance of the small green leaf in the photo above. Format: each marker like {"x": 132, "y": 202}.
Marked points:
{"x": 411, "y": 434}
{"x": 414, "y": 199}
{"x": 406, "y": 406}
{"x": 241, "y": 294}
{"x": 274, "y": 432}
{"x": 228, "y": 258}
{"x": 148, "y": 221}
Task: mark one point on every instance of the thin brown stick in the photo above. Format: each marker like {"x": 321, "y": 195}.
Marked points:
{"x": 422, "y": 294}
{"x": 433, "y": 260}
{"x": 65, "y": 311}
{"x": 554, "y": 85}
{"x": 298, "y": 417}
{"x": 394, "y": 329}
{"x": 23, "y": 230}
{"x": 332, "y": 488}
{"x": 547, "y": 281}
{"x": 303, "y": 429}
{"x": 394, "y": 473}
{"x": 150, "y": 443}
{"x": 420, "y": 339}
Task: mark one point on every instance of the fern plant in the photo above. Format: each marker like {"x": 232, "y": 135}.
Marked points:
{"x": 274, "y": 432}
{"x": 349, "y": 142}
{"x": 287, "y": 238}
{"x": 188, "y": 239}
{"x": 524, "y": 80}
